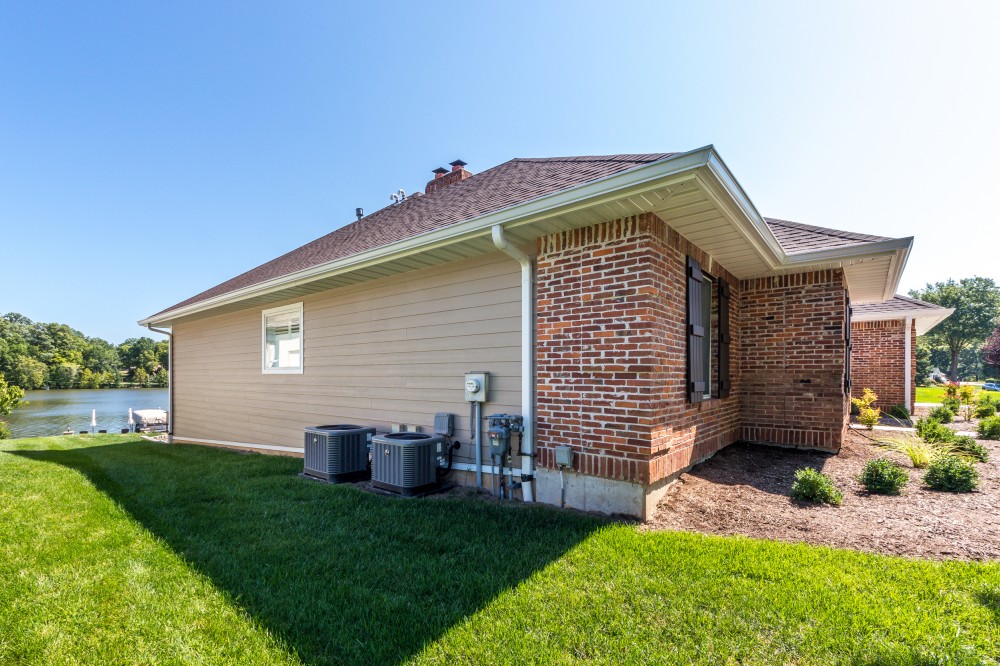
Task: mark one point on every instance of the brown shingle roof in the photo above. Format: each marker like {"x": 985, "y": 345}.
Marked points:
{"x": 514, "y": 182}
{"x": 898, "y": 303}
{"x": 795, "y": 237}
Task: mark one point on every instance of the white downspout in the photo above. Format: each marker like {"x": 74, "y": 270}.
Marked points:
{"x": 170, "y": 378}
{"x": 527, "y": 362}
{"x": 907, "y": 371}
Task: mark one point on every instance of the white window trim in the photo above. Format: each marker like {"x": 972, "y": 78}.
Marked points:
{"x": 295, "y": 308}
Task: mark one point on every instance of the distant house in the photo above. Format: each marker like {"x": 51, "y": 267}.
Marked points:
{"x": 883, "y": 343}
{"x": 635, "y": 308}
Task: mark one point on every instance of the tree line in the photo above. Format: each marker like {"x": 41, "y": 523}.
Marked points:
{"x": 34, "y": 355}
{"x": 966, "y": 345}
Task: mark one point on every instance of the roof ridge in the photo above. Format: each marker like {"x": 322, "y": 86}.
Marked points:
{"x": 622, "y": 157}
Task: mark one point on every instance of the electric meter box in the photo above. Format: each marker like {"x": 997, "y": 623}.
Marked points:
{"x": 477, "y": 384}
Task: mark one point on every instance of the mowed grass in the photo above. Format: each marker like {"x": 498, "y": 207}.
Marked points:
{"x": 115, "y": 550}
{"x": 930, "y": 394}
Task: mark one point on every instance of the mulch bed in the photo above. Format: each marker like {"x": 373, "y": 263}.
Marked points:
{"x": 744, "y": 490}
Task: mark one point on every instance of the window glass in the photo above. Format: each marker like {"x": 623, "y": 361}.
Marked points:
{"x": 283, "y": 339}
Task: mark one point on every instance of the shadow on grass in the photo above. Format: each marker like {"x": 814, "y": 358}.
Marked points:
{"x": 990, "y": 598}
{"x": 339, "y": 574}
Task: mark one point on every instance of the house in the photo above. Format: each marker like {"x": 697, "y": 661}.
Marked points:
{"x": 635, "y": 308}
{"x": 883, "y": 343}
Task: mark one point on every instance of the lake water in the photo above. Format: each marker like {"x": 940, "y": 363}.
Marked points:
{"x": 52, "y": 412}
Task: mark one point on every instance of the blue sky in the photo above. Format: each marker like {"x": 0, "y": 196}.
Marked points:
{"x": 151, "y": 150}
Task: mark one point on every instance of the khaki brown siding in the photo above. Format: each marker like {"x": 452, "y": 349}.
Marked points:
{"x": 391, "y": 350}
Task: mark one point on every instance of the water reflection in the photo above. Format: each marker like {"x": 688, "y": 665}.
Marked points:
{"x": 52, "y": 412}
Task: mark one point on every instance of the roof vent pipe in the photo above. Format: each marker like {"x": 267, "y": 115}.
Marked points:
{"x": 360, "y": 212}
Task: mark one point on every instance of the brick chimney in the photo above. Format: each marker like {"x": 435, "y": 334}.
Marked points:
{"x": 444, "y": 178}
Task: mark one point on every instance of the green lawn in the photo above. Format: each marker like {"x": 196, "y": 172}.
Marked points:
{"x": 930, "y": 393}
{"x": 115, "y": 550}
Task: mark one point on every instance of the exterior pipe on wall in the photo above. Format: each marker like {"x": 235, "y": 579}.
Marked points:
{"x": 170, "y": 378}
{"x": 907, "y": 356}
{"x": 527, "y": 360}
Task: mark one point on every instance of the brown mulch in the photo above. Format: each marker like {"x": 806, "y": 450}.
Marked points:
{"x": 744, "y": 490}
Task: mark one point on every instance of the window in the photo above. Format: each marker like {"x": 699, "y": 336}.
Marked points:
{"x": 708, "y": 336}
{"x": 282, "y": 343}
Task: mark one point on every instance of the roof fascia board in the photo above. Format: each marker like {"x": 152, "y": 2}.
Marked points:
{"x": 937, "y": 313}
{"x": 746, "y": 216}
{"x": 580, "y": 196}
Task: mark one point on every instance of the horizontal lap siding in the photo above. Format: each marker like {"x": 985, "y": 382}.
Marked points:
{"x": 390, "y": 350}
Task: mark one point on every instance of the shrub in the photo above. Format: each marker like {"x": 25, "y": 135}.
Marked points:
{"x": 899, "y": 412}
{"x": 5, "y": 432}
{"x": 942, "y": 414}
{"x": 989, "y": 428}
{"x": 970, "y": 448}
{"x": 952, "y": 474}
{"x": 952, "y": 404}
{"x": 985, "y": 409}
{"x": 869, "y": 417}
{"x": 814, "y": 486}
{"x": 932, "y": 431}
{"x": 867, "y": 399}
{"x": 883, "y": 477}
{"x": 951, "y": 390}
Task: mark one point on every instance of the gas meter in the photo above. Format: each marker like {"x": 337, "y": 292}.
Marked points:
{"x": 501, "y": 427}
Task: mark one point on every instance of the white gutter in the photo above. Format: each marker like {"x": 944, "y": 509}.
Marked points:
{"x": 527, "y": 361}
{"x": 170, "y": 377}
{"x": 907, "y": 355}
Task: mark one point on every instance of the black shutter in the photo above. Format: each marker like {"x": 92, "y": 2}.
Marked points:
{"x": 695, "y": 333}
{"x": 849, "y": 345}
{"x": 724, "y": 339}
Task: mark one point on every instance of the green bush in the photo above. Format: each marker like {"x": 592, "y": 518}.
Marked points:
{"x": 953, "y": 405}
{"x": 932, "y": 431}
{"x": 5, "y": 432}
{"x": 942, "y": 414}
{"x": 883, "y": 477}
{"x": 985, "y": 409}
{"x": 869, "y": 417}
{"x": 989, "y": 428}
{"x": 814, "y": 486}
{"x": 899, "y": 412}
{"x": 952, "y": 474}
{"x": 968, "y": 447}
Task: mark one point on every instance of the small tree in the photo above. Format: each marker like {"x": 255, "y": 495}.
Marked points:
{"x": 868, "y": 414}
{"x": 140, "y": 377}
{"x": 161, "y": 379}
{"x": 967, "y": 396}
{"x": 11, "y": 397}
{"x": 991, "y": 352}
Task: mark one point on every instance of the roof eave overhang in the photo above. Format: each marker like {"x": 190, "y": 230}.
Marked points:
{"x": 703, "y": 164}
{"x": 926, "y": 319}
{"x": 564, "y": 201}
{"x": 896, "y": 250}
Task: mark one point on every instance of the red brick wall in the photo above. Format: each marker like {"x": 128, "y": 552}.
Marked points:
{"x": 878, "y": 361}
{"x": 792, "y": 359}
{"x": 611, "y": 346}
{"x": 611, "y": 355}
